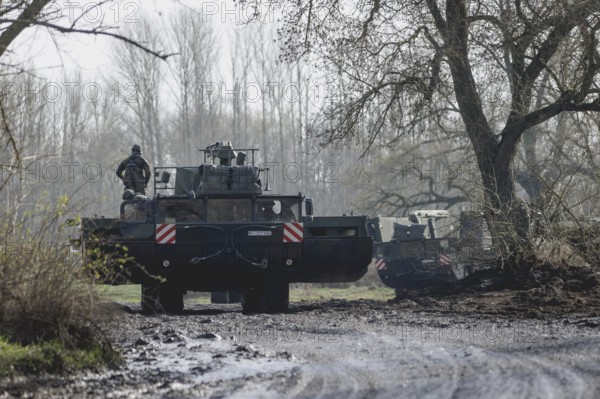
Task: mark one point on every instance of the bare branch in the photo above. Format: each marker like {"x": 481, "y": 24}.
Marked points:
{"x": 94, "y": 31}
{"x": 24, "y": 20}
{"x": 374, "y": 10}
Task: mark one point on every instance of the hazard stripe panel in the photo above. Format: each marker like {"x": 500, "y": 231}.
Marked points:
{"x": 380, "y": 264}
{"x": 293, "y": 232}
{"x": 165, "y": 234}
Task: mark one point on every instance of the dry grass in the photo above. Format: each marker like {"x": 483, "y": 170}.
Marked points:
{"x": 42, "y": 294}
{"x": 45, "y": 298}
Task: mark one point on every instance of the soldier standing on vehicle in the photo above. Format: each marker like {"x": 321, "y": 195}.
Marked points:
{"x": 134, "y": 171}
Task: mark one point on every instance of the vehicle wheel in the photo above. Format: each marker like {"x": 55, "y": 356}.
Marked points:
{"x": 272, "y": 297}
{"x": 277, "y": 297}
{"x": 150, "y": 303}
{"x": 252, "y": 300}
{"x": 170, "y": 298}
{"x": 219, "y": 297}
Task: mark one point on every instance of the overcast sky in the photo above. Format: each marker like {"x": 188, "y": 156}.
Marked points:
{"x": 50, "y": 51}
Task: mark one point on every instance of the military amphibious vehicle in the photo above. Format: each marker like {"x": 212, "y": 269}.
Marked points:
{"x": 215, "y": 228}
{"x": 411, "y": 253}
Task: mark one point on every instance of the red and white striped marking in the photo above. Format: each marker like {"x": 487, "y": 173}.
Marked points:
{"x": 293, "y": 232}
{"x": 444, "y": 260}
{"x": 380, "y": 264}
{"x": 165, "y": 234}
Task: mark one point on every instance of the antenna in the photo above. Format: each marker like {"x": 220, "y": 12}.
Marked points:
{"x": 267, "y": 184}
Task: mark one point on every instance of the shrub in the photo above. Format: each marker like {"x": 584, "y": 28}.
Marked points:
{"x": 44, "y": 295}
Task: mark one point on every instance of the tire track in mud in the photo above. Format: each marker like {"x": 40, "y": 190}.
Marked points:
{"x": 204, "y": 361}
{"x": 501, "y": 357}
{"x": 536, "y": 375}
{"x": 363, "y": 365}
{"x": 333, "y": 378}
{"x": 347, "y": 382}
{"x": 336, "y": 349}
{"x": 496, "y": 372}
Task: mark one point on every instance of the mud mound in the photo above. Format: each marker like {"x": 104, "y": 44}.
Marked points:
{"x": 543, "y": 291}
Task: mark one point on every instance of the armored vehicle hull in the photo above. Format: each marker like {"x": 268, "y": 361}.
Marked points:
{"x": 224, "y": 235}
{"x": 249, "y": 257}
{"x": 410, "y": 254}
{"x": 415, "y": 272}
{"x": 204, "y": 257}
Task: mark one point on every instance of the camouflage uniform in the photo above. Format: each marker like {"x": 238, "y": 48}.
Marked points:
{"x": 134, "y": 171}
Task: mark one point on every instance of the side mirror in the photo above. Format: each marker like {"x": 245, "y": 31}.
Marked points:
{"x": 308, "y": 206}
{"x": 165, "y": 177}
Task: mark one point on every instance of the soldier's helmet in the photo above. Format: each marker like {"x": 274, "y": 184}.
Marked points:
{"x": 136, "y": 149}
{"x": 128, "y": 194}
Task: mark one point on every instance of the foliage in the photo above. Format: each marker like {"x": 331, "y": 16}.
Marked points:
{"x": 304, "y": 292}
{"x": 402, "y": 68}
{"x": 106, "y": 265}
{"x": 52, "y": 357}
{"x": 573, "y": 242}
{"x": 47, "y": 303}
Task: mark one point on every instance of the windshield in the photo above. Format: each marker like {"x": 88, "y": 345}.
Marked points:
{"x": 134, "y": 211}
{"x": 284, "y": 210}
{"x": 180, "y": 211}
{"x": 229, "y": 210}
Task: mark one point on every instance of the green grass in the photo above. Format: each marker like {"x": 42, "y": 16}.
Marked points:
{"x": 120, "y": 293}
{"x": 298, "y": 292}
{"x": 51, "y": 357}
{"x": 368, "y": 287}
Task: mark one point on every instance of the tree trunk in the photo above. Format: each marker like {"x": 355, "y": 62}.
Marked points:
{"x": 504, "y": 213}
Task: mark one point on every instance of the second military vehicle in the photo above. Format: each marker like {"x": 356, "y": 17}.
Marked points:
{"x": 214, "y": 229}
{"x": 411, "y": 253}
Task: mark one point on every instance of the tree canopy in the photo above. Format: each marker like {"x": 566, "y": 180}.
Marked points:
{"x": 403, "y": 67}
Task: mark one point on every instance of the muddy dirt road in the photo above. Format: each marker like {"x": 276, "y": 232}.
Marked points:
{"x": 339, "y": 349}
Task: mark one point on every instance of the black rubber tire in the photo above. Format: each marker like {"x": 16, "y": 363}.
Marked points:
{"x": 252, "y": 300}
{"x": 277, "y": 297}
{"x": 170, "y": 298}
{"x": 274, "y": 297}
{"x": 161, "y": 298}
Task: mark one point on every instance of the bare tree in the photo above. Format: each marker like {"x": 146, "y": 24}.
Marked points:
{"x": 142, "y": 78}
{"x": 417, "y": 175}
{"x": 406, "y": 62}
{"x": 192, "y": 68}
{"x": 18, "y": 15}
{"x": 29, "y": 130}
